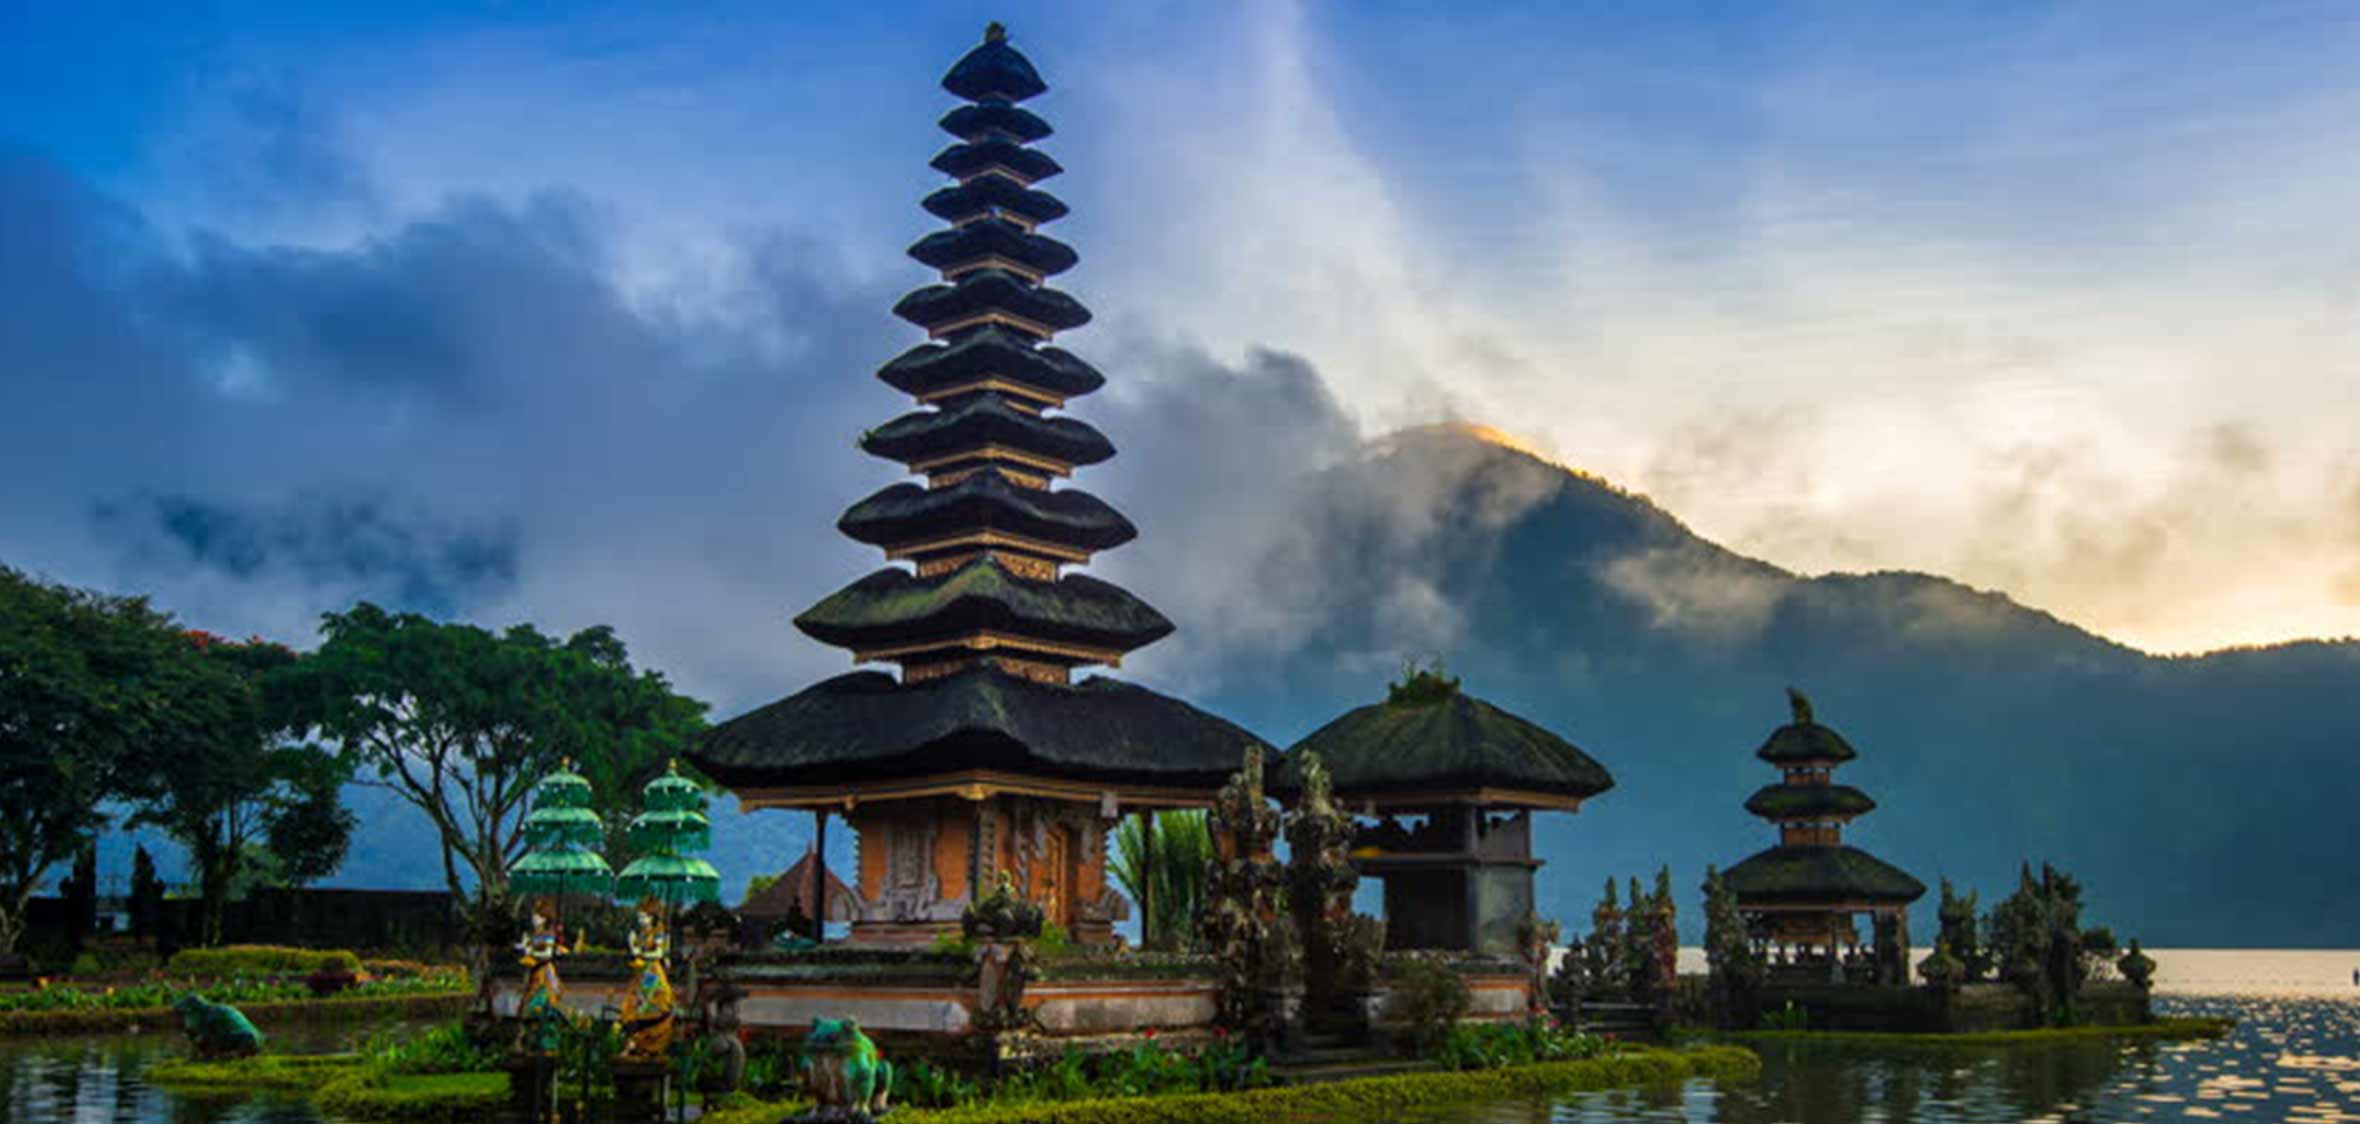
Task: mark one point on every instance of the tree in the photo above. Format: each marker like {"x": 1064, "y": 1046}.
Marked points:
{"x": 1736, "y": 965}
{"x": 86, "y": 679}
{"x": 1959, "y": 936}
{"x": 147, "y": 894}
{"x": 460, "y": 721}
{"x": 2036, "y": 939}
{"x": 313, "y": 829}
{"x": 244, "y": 777}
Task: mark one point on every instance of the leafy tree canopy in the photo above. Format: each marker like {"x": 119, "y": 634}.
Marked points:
{"x": 87, "y": 680}
{"x": 461, "y": 721}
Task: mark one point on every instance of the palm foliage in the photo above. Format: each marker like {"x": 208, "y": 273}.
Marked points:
{"x": 1172, "y": 873}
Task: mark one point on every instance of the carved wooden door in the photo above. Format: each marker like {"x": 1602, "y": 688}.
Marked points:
{"x": 1053, "y": 882}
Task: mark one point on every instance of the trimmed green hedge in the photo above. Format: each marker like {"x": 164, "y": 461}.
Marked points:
{"x": 437, "y": 1097}
{"x": 1369, "y": 1098}
{"x": 242, "y": 1075}
{"x": 260, "y": 960}
{"x": 2173, "y": 1028}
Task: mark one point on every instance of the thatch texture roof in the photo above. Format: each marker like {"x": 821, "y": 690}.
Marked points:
{"x": 965, "y": 200}
{"x": 1456, "y": 741}
{"x": 994, "y": 71}
{"x": 894, "y": 606}
{"x": 975, "y": 122}
{"x": 866, "y": 725}
{"x": 985, "y": 238}
{"x": 990, "y": 350}
{"x": 1803, "y": 875}
{"x": 961, "y": 161}
{"x": 1807, "y": 801}
{"x": 985, "y": 500}
{"x": 986, "y": 290}
{"x": 792, "y": 894}
{"x": 986, "y": 419}
{"x": 1804, "y": 741}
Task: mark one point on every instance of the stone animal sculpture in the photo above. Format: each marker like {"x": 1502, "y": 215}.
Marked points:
{"x": 217, "y": 1030}
{"x": 843, "y": 1071}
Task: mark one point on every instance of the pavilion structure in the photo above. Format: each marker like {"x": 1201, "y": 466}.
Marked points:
{"x": 1802, "y": 899}
{"x": 985, "y": 756}
{"x": 1472, "y": 775}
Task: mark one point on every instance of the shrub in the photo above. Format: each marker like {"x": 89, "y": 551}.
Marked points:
{"x": 1434, "y": 999}
{"x": 1485, "y": 1046}
{"x": 447, "y": 1048}
{"x": 1789, "y": 1017}
{"x": 924, "y": 1085}
{"x": 260, "y": 960}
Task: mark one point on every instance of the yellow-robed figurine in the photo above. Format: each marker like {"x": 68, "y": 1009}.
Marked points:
{"x": 648, "y": 1017}
{"x": 541, "y": 1011}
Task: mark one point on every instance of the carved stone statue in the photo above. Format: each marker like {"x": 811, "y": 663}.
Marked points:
{"x": 2137, "y": 967}
{"x": 542, "y": 1011}
{"x": 725, "y": 1070}
{"x": 1259, "y": 958}
{"x": 1002, "y": 923}
{"x": 648, "y": 1015}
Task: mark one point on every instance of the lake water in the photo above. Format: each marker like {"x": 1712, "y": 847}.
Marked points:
{"x": 2295, "y": 1057}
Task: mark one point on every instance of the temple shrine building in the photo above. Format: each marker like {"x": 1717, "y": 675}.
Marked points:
{"x": 1801, "y": 900}
{"x": 990, "y": 752}
{"x": 1472, "y": 774}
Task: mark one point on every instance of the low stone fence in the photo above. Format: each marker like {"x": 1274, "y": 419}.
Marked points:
{"x": 925, "y": 994}
{"x": 1974, "y": 1008}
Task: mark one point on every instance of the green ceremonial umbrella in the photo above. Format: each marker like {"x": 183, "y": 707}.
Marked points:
{"x": 673, "y": 823}
{"x": 561, "y": 834}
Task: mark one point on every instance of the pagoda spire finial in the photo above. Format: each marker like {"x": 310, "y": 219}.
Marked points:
{"x": 995, "y": 32}
{"x": 1800, "y": 703}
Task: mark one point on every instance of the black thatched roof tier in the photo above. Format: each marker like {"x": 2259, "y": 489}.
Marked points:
{"x": 995, "y": 117}
{"x": 988, "y": 351}
{"x": 1809, "y": 801}
{"x": 1806, "y": 875}
{"x": 986, "y": 193}
{"x": 1453, "y": 742}
{"x": 986, "y": 419}
{"x": 894, "y": 607}
{"x": 866, "y": 726}
{"x": 986, "y": 501}
{"x": 1804, "y": 741}
{"x": 985, "y": 238}
{"x": 994, "y": 71}
{"x": 989, "y": 290}
{"x": 961, "y": 161}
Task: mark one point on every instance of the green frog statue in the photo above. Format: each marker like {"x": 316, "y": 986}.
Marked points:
{"x": 843, "y": 1072}
{"x": 217, "y": 1030}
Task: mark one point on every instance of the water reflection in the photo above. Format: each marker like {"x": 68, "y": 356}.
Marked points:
{"x": 2290, "y": 1059}
{"x": 2294, "y": 1060}
{"x": 95, "y": 1080}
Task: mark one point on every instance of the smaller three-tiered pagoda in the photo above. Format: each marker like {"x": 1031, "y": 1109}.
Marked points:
{"x": 1801, "y": 899}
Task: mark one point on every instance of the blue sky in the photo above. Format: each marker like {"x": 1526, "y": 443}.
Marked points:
{"x": 522, "y": 310}
{"x": 2057, "y": 298}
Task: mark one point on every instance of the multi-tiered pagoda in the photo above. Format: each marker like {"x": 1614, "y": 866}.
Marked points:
{"x": 1802, "y": 897}
{"x": 985, "y": 756}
